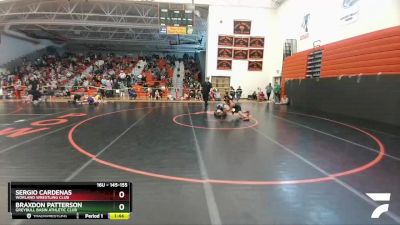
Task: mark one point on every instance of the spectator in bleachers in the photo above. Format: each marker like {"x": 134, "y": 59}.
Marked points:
{"x": 18, "y": 88}
{"x": 157, "y": 95}
{"x": 150, "y": 93}
{"x": 75, "y": 71}
{"x": 199, "y": 96}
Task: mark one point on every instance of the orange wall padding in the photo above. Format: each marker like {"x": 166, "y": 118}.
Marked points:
{"x": 365, "y": 57}
{"x": 295, "y": 65}
{"x": 367, "y": 54}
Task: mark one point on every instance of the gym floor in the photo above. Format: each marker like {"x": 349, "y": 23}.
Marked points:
{"x": 282, "y": 167}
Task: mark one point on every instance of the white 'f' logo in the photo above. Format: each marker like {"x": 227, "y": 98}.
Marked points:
{"x": 379, "y": 197}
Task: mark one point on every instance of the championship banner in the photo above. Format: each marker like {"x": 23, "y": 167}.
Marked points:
{"x": 256, "y": 53}
{"x": 240, "y": 54}
{"x": 256, "y": 42}
{"x": 242, "y": 27}
{"x": 224, "y": 65}
{"x": 225, "y": 53}
{"x": 255, "y": 66}
{"x": 225, "y": 40}
{"x": 241, "y": 42}
{"x": 176, "y": 30}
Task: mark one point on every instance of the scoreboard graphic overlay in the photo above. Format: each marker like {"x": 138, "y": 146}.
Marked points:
{"x": 70, "y": 200}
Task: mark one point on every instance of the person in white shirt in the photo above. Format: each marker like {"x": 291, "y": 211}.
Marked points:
{"x": 157, "y": 95}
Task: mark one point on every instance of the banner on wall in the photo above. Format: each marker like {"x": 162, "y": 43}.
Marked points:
{"x": 224, "y": 65}
{"x": 350, "y": 11}
{"x": 242, "y": 27}
{"x": 240, "y": 54}
{"x": 256, "y": 53}
{"x": 255, "y": 66}
{"x": 304, "y": 27}
{"x": 241, "y": 42}
{"x": 257, "y": 42}
{"x": 225, "y": 53}
{"x": 225, "y": 40}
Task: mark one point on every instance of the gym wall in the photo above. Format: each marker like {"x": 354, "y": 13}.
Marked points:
{"x": 263, "y": 23}
{"x": 326, "y": 23}
{"x": 375, "y": 98}
{"x": 360, "y": 77}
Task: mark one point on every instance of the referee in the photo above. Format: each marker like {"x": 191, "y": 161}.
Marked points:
{"x": 205, "y": 89}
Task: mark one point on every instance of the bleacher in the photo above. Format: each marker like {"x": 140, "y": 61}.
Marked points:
{"x": 91, "y": 74}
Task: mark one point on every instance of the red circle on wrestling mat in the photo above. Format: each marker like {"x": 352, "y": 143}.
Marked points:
{"x": 231, "y": 182}
{"x": 251, "y": 123}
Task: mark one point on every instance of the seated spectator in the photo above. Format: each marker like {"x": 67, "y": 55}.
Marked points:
{"x": 90, "y": 100}
{"x": 76, "y": 98}
{"x": 157, "y": 95}
{"x": 27, "y": 99}
{"x": 217, "y": 95}
{"x": 98, "y": 98}
{"x": 192, "y": 94}
{"x": 185, "y": 96}
{"x": 261, "y": 96}
{"x": 254, "y": 95}
{"x": 63, "y": 73}
{"x": 199, "y": 95}
{"x": 170, "y": 97}
{"x": 284, "y": 101}
{"x": 150, "y": 93}
{"x": 132, "y": 94}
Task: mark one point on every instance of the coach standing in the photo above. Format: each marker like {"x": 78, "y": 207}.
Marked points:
{"x": 205, "y": 89}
